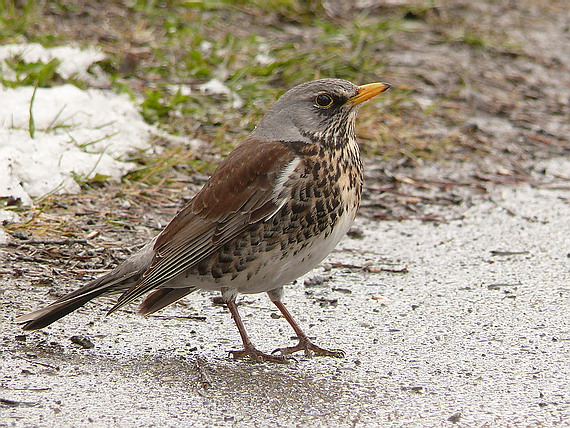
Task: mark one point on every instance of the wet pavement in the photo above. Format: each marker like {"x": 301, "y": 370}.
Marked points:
{"x": 465, "y": 322}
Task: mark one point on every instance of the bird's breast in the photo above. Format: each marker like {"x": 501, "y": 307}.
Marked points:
{"x": 322, "y": 200}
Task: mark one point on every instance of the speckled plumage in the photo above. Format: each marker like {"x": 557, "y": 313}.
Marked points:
{"x": 269, "y": 254}
{"x": 275, "y": 207}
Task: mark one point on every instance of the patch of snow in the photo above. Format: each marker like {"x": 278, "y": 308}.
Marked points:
{"x": 205, "y": 46}
{"x": 492, "y": 125}
{"x": 217, "y": 87}
{"x": 78, "y": 133}
{"x": 74, "y": 61}
{"x": 424, "y": 102}
{"x": 263, "y": 58}
{"x": 558, "y": 167}
{"x": 195, "y": 143}
{"x": 184, "y": 90}
{"x": 214, "y": 86}
{"x": 6, "y": 217}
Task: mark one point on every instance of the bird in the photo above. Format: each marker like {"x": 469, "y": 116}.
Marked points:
{"x": 274, "y": 208}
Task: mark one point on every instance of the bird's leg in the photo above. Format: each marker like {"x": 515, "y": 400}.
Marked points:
{"x": 305, "y": 343}
{"x": 248, "y": 349}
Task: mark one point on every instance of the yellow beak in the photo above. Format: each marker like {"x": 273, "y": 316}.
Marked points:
{"x": 365, "y": 92}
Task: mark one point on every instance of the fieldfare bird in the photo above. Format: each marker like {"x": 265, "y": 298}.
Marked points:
{"x": 275, "y": 208}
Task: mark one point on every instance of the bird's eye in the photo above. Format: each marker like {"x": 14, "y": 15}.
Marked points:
{"x": 323, "y": 101}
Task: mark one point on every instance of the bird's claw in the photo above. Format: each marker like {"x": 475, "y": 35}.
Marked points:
{"x": 258, "y": 356}
{"x": 310, "y": 350}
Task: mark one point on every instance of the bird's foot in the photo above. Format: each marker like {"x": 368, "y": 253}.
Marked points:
{"x": 258, "y": 356}
{"x": 310, "y": 350}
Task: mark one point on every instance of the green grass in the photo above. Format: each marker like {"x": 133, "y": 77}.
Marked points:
{"x": 21, "y": 73}
{"x": 258, "y": 48}
{"x": 194, "y": 41}
{"x": 18, "y": 19}
{"x": 202, "y": 40}
{"x": 158, "y": 49}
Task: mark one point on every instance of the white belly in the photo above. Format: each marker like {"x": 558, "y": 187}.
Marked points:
{"x": 312, "y": 255}
{"x": 277, "y": 272}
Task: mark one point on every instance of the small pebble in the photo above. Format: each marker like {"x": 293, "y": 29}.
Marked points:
{"x": 218, "y": 300}
{"x": 355, "y": 233}
{"x": 454, "y": 418}
{"x": 315, "y": 280}
{"x": 82, "y": 341}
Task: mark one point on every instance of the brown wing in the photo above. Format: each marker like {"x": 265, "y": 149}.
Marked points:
{"x": 243, "y": 190}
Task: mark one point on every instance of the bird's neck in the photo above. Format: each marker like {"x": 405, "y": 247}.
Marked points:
{"x": 266, "y": 130}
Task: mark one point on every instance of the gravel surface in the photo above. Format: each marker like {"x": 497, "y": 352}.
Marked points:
{"x": 465, "y": 321}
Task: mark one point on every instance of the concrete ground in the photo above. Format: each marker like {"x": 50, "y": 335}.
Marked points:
{"x": 464, "y": 322}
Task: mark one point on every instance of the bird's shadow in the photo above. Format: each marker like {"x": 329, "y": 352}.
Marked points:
{"x": 256, "y": 384}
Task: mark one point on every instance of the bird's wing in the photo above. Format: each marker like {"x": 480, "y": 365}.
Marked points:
{"x": 248, "y": 187}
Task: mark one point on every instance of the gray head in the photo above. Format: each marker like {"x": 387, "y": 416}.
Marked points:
{"x": 316, "y": 109}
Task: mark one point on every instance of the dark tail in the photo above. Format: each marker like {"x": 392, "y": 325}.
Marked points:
{"x": 161, "y": 298}
{"x": 107, "y": 284}
{"x": 118, "y": 280}
{"x": 44, "y": 317}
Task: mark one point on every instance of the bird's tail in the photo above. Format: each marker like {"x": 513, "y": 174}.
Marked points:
{"x": 162, "y": 297}
{"x": 107, "y": 284}
{"x": 118, "y": 280}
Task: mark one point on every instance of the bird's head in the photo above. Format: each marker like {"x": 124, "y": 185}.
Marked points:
{"x": 323, "y": 109}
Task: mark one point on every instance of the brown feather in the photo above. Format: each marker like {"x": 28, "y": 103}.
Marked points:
{"x": 161, "y": 298}
{"x": 239, "y": 194}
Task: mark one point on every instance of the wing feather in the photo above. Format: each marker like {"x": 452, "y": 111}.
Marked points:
{"x": 245, "y": 189}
